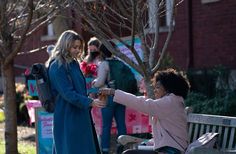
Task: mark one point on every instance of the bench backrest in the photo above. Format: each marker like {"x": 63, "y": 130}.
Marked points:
{"x": 224, "y": 125}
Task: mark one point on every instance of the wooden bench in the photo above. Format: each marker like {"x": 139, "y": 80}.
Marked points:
{"x": 224, "y": 125}
{"x": 199, "y": 124}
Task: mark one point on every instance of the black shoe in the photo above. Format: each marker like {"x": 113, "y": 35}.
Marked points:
{"x": 119, "y": 149}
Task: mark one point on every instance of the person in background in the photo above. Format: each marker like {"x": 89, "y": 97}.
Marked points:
{"x": 90, "y": 64}
{"x": 73, "y": 129}
{"x": 50, "y": 49}
{"x": 94, "y": 54}
{"x": 169, "y": 120}
{"x": 112, "y": 109}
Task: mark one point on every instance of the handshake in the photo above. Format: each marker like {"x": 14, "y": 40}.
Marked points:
{"x": 104, "y": 92}
{"x": 101, "y": 101}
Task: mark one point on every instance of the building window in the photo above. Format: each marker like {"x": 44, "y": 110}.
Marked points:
{"x": 50, "y": 30}
{"x": 163, "y": 13}
{"x": 48, "y": 33}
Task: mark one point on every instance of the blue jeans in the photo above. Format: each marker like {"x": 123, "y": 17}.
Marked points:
{"x": 118, "y": 112}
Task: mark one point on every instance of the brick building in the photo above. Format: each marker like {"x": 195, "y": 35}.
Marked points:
{"x": 204, "y": 37}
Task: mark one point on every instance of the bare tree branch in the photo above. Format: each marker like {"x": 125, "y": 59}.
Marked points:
{"x": 114, "y": 20}
{"x": 123, "y": 10}
{"x": 23, "y": 36}
{"x": 170, "y": 31}
{"x": 42, "y": 22}
{"x": 154, "y": 45}
{"x": 15, "y": 21}
{"x": 33, "y": 51}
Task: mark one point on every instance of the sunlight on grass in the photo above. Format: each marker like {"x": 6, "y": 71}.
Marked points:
{"x": 2, "y": 116}
{"x": 22, "y": 148}
{"x": 2, "y": 147}
{"x": 26, "y": 149}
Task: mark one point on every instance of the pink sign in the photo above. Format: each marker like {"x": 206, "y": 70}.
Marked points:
{"x": 136, "y": 122}
{"x": 31, "y": 105}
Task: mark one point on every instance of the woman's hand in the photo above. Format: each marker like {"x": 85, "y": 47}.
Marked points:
{"x": 106, "y": 91}
{"x": 98, "y": 103}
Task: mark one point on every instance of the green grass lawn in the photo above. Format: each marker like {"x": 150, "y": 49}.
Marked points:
{"x": 2, "y": 116}
{"x": 22, "y": 148}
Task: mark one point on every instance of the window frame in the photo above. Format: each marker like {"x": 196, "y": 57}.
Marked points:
{"x": 153, "y": 16}
{"x": 50, "y": 33}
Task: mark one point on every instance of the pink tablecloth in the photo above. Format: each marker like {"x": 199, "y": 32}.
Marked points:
{"x": 136, "y": 122}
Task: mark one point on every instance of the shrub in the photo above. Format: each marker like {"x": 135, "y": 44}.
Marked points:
{"x": 218, "y": 105}
{"x": 202, "y": 81}
{"x": 21, "y": 110}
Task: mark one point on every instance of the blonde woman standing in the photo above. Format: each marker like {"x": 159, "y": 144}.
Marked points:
{"x": 73, "y": 129}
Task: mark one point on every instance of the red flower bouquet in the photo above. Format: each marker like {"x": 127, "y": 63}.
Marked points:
{"x": 89, "y": 70}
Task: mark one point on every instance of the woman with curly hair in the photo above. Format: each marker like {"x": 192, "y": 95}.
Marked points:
{"x": 169, "y": 120}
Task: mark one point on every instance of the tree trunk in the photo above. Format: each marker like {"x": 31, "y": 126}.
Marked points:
{"x": 149, "y": 87}
{"x": 10, "y": 108}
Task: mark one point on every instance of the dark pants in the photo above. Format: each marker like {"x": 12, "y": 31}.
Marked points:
{"x": 118, "y": 112}
{"x": 95, "y": 135}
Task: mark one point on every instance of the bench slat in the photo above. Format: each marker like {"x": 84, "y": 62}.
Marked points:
{"x": 225, "y": 138}
{"x": 190, "y": 129}
{"x": 213, "y": 129}
{"x": 201, "y": 130}
{"x": 208, "y": 128}
{"x": 212, "y": 119}
{"x": 195, "y": 135}
{"x": 220, "y": 130}
{"x": 231, "y": 140}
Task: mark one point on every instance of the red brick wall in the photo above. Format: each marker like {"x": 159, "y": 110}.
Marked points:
{"x": 214, "y": 33}
{"x": 179, "y": 44}
{"x": 33, "y": 42}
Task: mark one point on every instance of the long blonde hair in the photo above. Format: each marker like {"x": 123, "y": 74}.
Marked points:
{"x": 64, "y": 43}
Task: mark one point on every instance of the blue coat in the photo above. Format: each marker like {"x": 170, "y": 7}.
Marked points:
{"x": 72, "y": 125}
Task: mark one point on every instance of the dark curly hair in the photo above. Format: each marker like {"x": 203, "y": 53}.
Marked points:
{"x": 173, "y": 82}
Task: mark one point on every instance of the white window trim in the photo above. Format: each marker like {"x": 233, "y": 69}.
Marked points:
{"x": 89, "y": 1}
{"x": 208, "y": 1}
{"x": 50, "y": 30}
{"x": 153, "y": 16}
{"x": 50, "y": 33}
